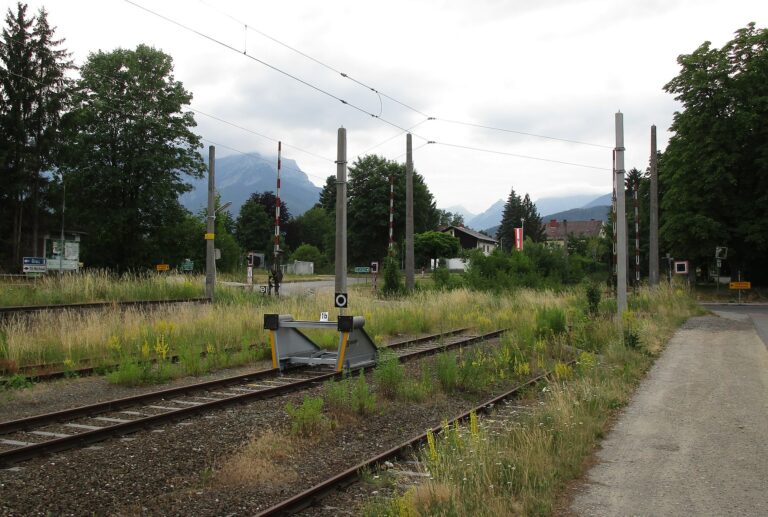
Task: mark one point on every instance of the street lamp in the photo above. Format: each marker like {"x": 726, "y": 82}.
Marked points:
{"x": 522, "y": 232}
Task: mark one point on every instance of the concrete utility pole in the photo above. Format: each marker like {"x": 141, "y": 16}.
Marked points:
{"x": 653, "y": 253}
{"x": 409, "y": 260}
{"x": 637, "y": 230}
{"x": 210, "y": 259}
{"x": 341, "y": 213}
{"x": 621, "y": 220}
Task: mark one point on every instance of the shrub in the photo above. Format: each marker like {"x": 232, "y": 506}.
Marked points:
{"x": 307, "y": 419}
{"x": 447, "y": 371}
{"x": 392, "y": 276}
{"x": 550, "y": 321}
{"x": 389, "y": 374}
{"x": 593, "y": 298}
{"x": 442, "y": 278}
{"x": 350, "y": 396}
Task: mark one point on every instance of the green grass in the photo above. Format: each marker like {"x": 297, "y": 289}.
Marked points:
{"x": 100, "y": 286}
{"x": 522, "y": 469}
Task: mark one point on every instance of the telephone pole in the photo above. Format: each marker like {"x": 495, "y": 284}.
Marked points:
{"x": 621, "y": 219}
{"x": 210, "y": 259}
{"x": 653, "y": 253}
{"x": 409, "y": 260}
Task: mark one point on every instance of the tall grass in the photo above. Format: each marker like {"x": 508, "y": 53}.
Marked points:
{"x": 100, "y": 286}
{"x": 521, "y": 468}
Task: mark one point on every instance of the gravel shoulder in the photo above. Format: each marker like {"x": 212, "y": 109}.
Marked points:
{"x": 692, "y": 440}
{"x": 174, "y": 469}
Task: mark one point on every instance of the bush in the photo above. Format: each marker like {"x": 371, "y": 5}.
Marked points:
{"x": 550, "y": 321}
{"x": 350, "y": 396}
{"x": 593, "y": 298}
{"x": 442, "y": 277}
{"x": 389, "y": 375}
{"x": 447, "y": 371}
{"x": 392, "y": 277}
{"x": 307, "y": 419}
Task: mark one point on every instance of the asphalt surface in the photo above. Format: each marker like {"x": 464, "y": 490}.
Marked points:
{"x": 692, "y": 440}
{"x": 308, "y": 287}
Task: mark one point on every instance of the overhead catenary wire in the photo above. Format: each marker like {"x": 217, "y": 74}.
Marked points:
{"x": 393, "y": 99}
{"x": 268, "y": 65}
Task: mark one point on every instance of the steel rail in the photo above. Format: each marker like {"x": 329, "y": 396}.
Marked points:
{"x": 25, "y": 309}
{"x": 310, "y": 496}
{"x": 91, "y": 436}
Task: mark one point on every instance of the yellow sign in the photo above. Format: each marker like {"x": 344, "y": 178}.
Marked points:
{"x": 209, "y": 236}
{"x": 740, "y": 285}
{"x": 162, "y": 267}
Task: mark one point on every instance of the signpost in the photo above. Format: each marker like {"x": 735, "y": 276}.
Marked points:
{"x": 187, "y": 266}
{"x": 34, "y": 265}
{"x": 740, "y": 285}
{"x": 362, "y": 269}
{"x": 162, "y": 267}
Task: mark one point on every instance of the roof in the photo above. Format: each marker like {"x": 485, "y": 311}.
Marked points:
{"x": 472, "y": 233}
{"x": 555, "y": 230}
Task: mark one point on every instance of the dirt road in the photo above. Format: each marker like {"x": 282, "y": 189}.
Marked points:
{"x": 693, "y": 440}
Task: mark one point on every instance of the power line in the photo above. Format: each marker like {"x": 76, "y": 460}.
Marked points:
{"x": 214, "y": 117}
{"x": 459, "y": 122}
{"x": 492, "y": 151}
{"x": 268, "y": 65}
{"x": 375, "y": 90}
{"x": 314, "y": 59}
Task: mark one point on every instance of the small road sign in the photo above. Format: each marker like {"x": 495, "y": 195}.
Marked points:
{"x": 323, "y": 316}
{"x": 340, "y": 300}
{"x": 361, "y": 269}
{"x": 210, "y": 236}
{"x": 740, "y": 285}
{"x": 263, "y": 289}
{"x": 162, "y": 267}
{"x": 187, "y": 265}
{"x": 34, "y": 265}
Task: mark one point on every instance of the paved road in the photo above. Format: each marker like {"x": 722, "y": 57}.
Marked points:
{"x": 693, "y": 439}
{"x": 309, "y": 287}
{"x": 758, "y": 314}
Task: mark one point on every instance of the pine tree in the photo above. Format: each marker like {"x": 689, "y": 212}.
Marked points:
{"x": 533, "y": 227}
{"x": 510, "y": 219}
{"x": 33, "y": 93}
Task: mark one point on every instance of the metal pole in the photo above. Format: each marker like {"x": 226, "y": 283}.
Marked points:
{"x": 637, "y": 231}
{"x": 653, "y": 252}
{"x": 613, "y": 214}
{"x": 210, "y": 260}
{"x": 63, "y": 207}
{"x": 621, "y": 220}
{"x": 341, "y": 214}
{"x": 522, "y": 233}
{"x": 391, "y": 214}
{"x": 409, "y": 259}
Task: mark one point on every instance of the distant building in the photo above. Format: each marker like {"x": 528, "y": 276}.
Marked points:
{"x": 555, "y": 232}
{"x": 468, "y": 240}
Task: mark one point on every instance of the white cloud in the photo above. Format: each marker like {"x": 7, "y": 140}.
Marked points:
{"x": 554, "y": 67}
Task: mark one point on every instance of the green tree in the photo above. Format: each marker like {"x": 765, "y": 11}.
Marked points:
{"x": 130, "y": 145}
{"x": 533, "y": 227}
{"x": 328, "y": 195}
{"x": 33, "y": 93}
{"x": 368, "y": 197}
{"x": 510, "y": 219}
{"x": 313, "y": 227}
{"x": 446, "y": 218}
{"x": 309, "y": 253}
{"x": 433, "y": 245}
{"x": 714, "y": 172}
{"x": 255, "y": 226}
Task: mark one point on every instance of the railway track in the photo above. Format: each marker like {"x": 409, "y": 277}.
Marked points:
{"x": 498, "y": 405}
{"x": 31, "y": 437}
{"x": 47, "y": 372}
{"x": 29, "y": 309}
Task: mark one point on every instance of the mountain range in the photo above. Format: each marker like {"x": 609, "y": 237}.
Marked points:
{"x": 239, "y": 176}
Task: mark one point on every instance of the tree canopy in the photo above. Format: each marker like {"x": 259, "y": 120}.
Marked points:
{"x": 714, "y": 172}
{"x": 368, "y": 198}
{"x": 34, "y": 91}
{"x": 519, "y": 211}
{"x": 129, "y": 146}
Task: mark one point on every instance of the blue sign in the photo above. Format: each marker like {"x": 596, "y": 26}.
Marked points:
{"x": 33, "y": 261}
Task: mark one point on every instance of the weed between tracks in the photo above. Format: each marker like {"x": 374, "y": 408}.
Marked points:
{"x": 519, "y": 469}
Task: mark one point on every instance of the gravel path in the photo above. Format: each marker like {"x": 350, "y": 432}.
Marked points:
{"x": 693, "y": 439}
{"x": 174, "y": 469}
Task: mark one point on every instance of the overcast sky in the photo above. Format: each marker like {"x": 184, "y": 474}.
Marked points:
{"x": 550, "y": 67}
